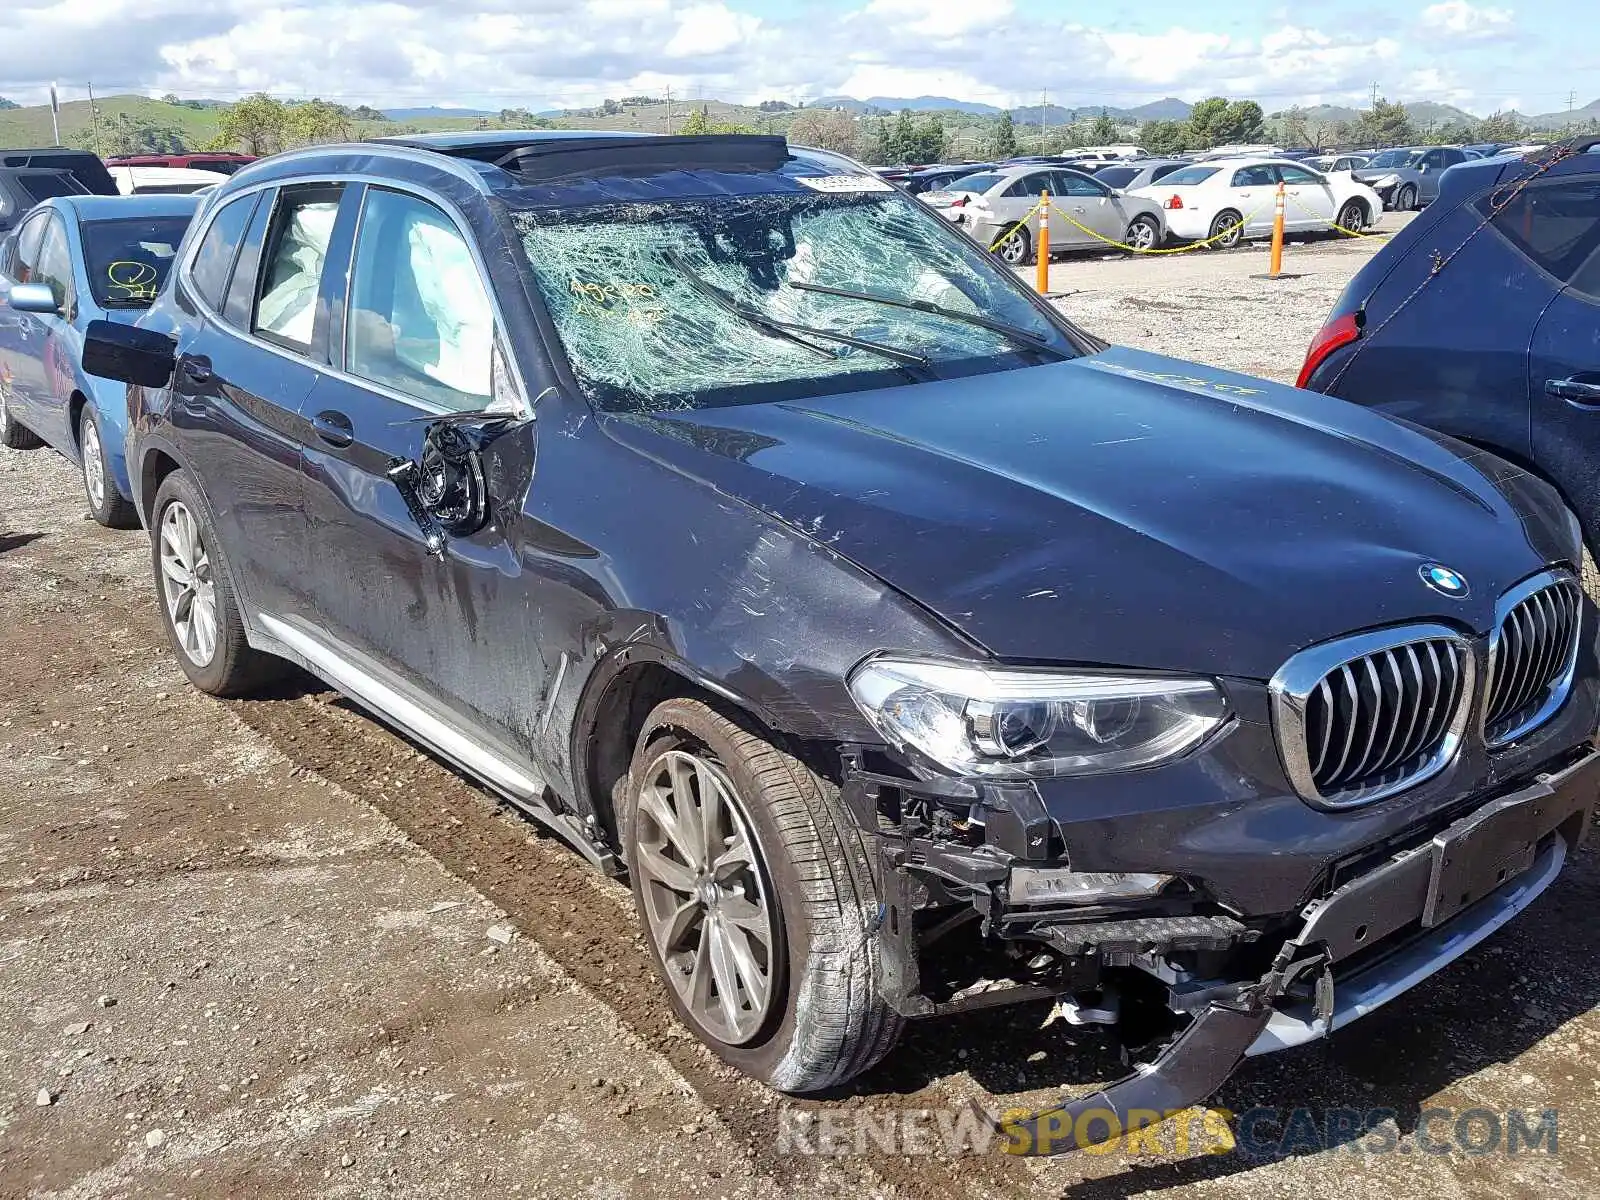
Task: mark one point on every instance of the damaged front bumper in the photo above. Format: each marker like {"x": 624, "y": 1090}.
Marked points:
{"x": 1354, "y": 950}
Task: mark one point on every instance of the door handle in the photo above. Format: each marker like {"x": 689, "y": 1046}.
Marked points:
{"x": 197, "y": 369}
{"x": 1574, "y": 391}
{"x": 334, "y": 428}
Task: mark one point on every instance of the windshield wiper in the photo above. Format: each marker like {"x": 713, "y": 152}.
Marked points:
{"x": 1013, "y": 332}
{"x": 790, "y": 332}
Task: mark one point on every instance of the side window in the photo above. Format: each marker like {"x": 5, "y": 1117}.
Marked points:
{"x": 1452, "y": 157}
{"x": 1555, "y": 223}
{"x": 1298, "y": 175}
{"x": 1029, "y": 185}
{"x": 1073, "y": 184}
{"x": 1163, "y": 171}
{"x": 1257, "y": 176}
{"x": 1433, "y": 160}
{"x": 29, "y": 240}
{"x": 54, "y": 268}
{"x": 213, "y": 262}
{"x": 291, "y": 266}
{"x": 420, "y": 321}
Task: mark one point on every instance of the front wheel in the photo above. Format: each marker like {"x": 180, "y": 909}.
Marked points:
{"x": 756, "y": 900}
{"x": 1143, "y": 234}
{"x": 106, "y": 504}
{"x": 1352, "y": 218}
{"x": 1405, "y": 199}
{"x": 12, "y": 435}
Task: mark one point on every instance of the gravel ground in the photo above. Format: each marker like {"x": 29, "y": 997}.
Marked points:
{"x": 268, "y": 947}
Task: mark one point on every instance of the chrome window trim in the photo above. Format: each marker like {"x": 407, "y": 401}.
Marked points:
{"x": 1291, "y": 690}
{"x": 1561, "y": 688}
{"x": 418, "y": 191}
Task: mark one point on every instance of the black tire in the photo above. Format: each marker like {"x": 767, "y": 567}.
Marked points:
{"x": 1016, "y": 249}
{"x": 1353, "y": 216}
{"x": 827, "y": 1022}
{"x": 234, "y": 668}
{"x": 1405, "y": 199}
{"x": 110, "y": 509}
{"x": 12, "y": 435}
{"x": 1152, "y": 239}
{"x": 1227, "y": 230}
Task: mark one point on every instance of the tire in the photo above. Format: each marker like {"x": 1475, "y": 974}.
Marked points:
{"x": 1017, "y": 249}
{"x": 12, "y": 435}
{"x": 1405, "y": 199}
{"x": 1144, "y": 233}
{"x": 181, "y": 530}
{"x": 1353, "y": 216}
{"x": 820, "y": 1019}
{"x": 106, "y": 504}
{"x": 1223, "y": 220}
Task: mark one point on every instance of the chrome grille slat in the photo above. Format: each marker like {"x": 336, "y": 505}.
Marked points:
{"x": 1531, "y": 656}
{"x": 1409, "y": 743}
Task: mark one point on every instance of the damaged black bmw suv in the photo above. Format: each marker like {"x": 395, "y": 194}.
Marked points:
{"x": 910, "y": 650}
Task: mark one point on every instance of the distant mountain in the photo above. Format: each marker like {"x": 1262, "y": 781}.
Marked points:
{"x": 1169, "y": 109}
{"x": 1560, "y": 120}
{"x": 415, "y": 114}
{"x": 914, "y": 103}
{"x": 1424, "y": 113}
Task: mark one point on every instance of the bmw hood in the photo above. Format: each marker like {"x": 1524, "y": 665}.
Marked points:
{"x": 1131, "y": 510}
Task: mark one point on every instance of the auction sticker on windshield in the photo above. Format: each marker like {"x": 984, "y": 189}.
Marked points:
{"x": 844, "y": 183}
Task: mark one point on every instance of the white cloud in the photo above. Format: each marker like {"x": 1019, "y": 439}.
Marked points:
{"x": 940, "y": 18}
{"x": 1461, "y": 19}
{"x": 710, "y": 29}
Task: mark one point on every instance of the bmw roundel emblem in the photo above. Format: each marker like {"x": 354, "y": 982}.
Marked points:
{"x": 1444, "y": 581}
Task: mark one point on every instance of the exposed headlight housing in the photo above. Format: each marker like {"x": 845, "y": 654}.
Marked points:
{"x": 1009, "y": 723}
{"x": 1385, "y": 181}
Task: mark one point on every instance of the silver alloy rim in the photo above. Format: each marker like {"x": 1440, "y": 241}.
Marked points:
{"x": 704, "y": 895}
{"x": 94, "y": 470}
{"x": 1228, "y": 235}
{"x": 1353, "y": 217}
{"x": 1141, "y": 236}
{"x": 187, "y": 584}
{"x": 1014, "y": 249}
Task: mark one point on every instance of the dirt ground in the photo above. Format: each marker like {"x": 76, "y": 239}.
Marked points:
{"x": 268, "y": 947}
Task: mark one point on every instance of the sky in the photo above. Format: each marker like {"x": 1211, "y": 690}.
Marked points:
{"x": 545, "y": 54}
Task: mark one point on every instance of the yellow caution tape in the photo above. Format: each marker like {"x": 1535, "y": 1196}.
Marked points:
{"x": 1216, "y": 237}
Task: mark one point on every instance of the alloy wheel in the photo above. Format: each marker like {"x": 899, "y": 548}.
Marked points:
{"x": 187, "y": 584}
{"x": 1014, "y": 250}
{"x": 1141, "y": 235}
{"x": 94, "y": 467}
{"x": 705, "y": 896}
{"x": 1353, "y": 218}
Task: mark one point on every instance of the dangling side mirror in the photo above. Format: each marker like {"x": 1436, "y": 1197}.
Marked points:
{"x": 129, "y": 354}
{"x": 33, "y": 298}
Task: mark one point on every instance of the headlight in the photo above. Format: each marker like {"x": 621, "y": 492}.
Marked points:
{"x": 972, "y": 720}
{"x": 1385, "y": 181}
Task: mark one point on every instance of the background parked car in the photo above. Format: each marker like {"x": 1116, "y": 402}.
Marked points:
{"x": 1229, "y": 200}
{"x": 73, "y": 260}
{"x": 992, "y": 202}
{"x": 1408, "y": 177}
{"x": 932, "y": 179}
{"x": 1498, "y": 348}
{"x": 221, "y": 162}
{"x": 23, "y": 187}
{"x": 1331, "y": 164}
{"x": 1129, "y": 176}
{"x": 163, "y": 181}
{"x": 86, "y": 168}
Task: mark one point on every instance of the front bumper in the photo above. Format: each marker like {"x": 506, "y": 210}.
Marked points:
{"x": 1367, "y": 942}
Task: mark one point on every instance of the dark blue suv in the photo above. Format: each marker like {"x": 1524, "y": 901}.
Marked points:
{"x": 911, "y": 650}
{"x": 1481, "y": 319}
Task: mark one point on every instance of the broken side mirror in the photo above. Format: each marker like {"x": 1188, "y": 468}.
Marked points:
{"x": 33, "y": 298}
{"x": 445, "y": 490}
{"x": 129, "y": 354}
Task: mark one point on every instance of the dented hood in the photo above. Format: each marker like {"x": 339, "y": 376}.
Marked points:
{"x": 1130, "y": 510}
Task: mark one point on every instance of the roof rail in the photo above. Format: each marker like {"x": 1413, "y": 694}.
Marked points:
{"x": 547, "y": 158}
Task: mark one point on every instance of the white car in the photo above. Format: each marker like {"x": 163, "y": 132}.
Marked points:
{"x": 1336, "y": 164}
{"x": 145, "y": 181}
{"x": 1232, "y": 199}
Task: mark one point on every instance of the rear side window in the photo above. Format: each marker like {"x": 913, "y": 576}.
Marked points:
{"x": 297, "y": 249}
{"x": 1555, "y": 223}
{"x": 213, "y": 262}
{"x": 1159, "y": 173}
{"x": 1029, "y": 185}
{"x": 1117, "y": 177}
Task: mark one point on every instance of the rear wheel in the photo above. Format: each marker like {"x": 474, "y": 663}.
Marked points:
{"x": 1017, "y": 249}
{"x": 12, "y": 435}
{"x": 1227, "y": 230}
{"x": 198, "y": 606}
{"x": 106, "y": 504}
{"x": 756, "y": 900}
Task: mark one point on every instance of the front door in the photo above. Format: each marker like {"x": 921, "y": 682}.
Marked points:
{"x": 21, "y": 353}
{"x": 1098, "y": 213}
{"x": 444, "y": 627}
{"x": 1255, "y": 196}
{"x": 1308, "y": 200}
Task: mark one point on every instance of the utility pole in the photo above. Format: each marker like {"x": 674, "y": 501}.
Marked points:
{"x": 1044, "y": 107}
{"x": 1374, "y": 95}
{"x": 669, "y": 109}
{"x": 94, "y": 118}
{"x": 1572, "y": 101}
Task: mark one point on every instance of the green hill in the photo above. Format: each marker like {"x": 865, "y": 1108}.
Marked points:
{"x": 30, "y": 125}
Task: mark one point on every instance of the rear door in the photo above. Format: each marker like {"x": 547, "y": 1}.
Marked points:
{"x": 1556, "y": 223}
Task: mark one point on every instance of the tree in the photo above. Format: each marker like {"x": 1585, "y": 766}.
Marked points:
{"x": 929, "y": 143}
{"x": 123, "y": 134}
{"x": 827, "y": 129}
{"x": 315, "y": 122}
{"x": 1103, "y": 130}
{"x": 1005, "y": 137}
{"x": 1216, "y": 122}
{"x": 171, "y": 98}
{"x": 257, "y": 125}
{"x": 1500, "y": 127}
{"x": 1293, "y": 131}
{"x": 1164, "y": 137}
{"x": 5, "y": 104}
{"x": 1385, "y": 124}
{"x": 881, "y": 150}
{"x": 363, "y": 112}
{"x": 698, "y": 124}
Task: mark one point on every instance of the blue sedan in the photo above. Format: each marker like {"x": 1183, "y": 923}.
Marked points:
{"x": 73, "y": 260}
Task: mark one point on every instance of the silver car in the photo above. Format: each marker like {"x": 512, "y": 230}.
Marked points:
{"x": 1085, "y": 213}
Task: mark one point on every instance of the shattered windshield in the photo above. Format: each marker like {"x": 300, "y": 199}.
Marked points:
{"x": 1396, "y": 158}
{"x": 696, "y": 303}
